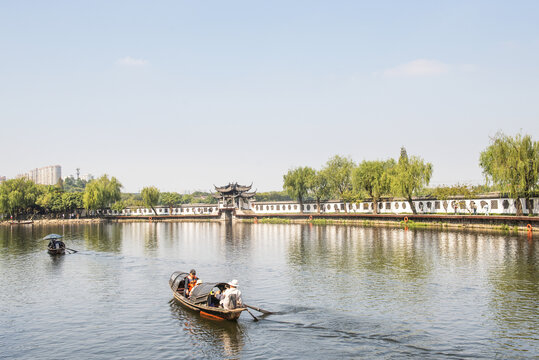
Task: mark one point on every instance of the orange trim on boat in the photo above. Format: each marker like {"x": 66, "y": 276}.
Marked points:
{"x": 211, "y": 316}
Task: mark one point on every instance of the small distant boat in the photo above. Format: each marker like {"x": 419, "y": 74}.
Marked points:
{"x": 22, "y": 222}
{"x": 201, "y": 298}
{"x": 55, "y": 246}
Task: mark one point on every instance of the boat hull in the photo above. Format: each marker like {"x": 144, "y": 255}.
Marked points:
{"x": 210, "y": 312}
{"x": 60, "y": 251}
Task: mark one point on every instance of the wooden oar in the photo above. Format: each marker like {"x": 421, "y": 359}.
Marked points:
{"x": 258, "y": 309}
{"x": 254, "y": 317}
{"x": 74, "y": 251}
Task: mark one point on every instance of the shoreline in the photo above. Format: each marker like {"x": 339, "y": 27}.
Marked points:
{"x": 492, "y": 223}
{"x": 504, "y": 228}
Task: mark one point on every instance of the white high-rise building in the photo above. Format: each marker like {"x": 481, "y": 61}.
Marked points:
{"x": 48, "y": 175}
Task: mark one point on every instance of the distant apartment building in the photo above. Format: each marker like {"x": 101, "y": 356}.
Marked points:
{"x": 48, "y": 175}
{"x": 2, "y": 179}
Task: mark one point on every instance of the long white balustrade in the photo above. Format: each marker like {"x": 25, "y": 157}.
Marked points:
{"x": 480, "y": 205}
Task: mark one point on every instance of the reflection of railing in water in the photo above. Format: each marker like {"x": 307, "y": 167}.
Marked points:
{"x": 520, "y": 221}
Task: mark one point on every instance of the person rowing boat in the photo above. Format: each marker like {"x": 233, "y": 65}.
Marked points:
{"x": 190, "y": 282}
{"x": 231, "y": 297}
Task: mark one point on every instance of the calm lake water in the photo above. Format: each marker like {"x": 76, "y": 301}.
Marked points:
{"x": 340, "y": 292}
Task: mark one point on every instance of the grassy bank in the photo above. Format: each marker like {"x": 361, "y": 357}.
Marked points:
{"x": 410, "y": 224}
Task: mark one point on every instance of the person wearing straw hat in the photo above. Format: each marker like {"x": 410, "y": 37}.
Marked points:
{"x": 231, "y": 297}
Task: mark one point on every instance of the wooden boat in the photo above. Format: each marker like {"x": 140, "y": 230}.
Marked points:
{"x": 56, "y": 248}
{"x": 22, "y": 222}
{"x": 201, "y": 298}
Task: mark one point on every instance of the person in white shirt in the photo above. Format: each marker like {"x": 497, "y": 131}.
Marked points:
{"x": 231, "y": 297}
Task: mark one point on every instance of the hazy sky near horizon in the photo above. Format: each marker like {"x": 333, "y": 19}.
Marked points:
{"x": 183, "y": 94}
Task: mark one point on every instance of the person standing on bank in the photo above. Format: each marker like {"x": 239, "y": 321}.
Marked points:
{"x": 231, "y": 297}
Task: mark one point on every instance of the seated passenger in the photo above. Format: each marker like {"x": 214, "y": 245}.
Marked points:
{"x": 196, "y": 284}
{"x": 190, "y": 282}
{"x": 231, "y": 297}
{"x": 213, "y": 300}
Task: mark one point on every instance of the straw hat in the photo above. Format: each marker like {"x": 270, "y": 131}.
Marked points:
{"x": 234, "y": 283}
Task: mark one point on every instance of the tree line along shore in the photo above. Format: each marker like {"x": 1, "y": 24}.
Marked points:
{"x": 510, "y": 165}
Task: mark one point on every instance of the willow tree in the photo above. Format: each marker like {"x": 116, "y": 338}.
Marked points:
{"x": 339, "y": 172}
{"x": 150, "y": 196}
{"x": 373, "y": 178}
{"x": 101, "y": 193}
{"x": 297, "y": 183}
{"x": 18, "y": 196}
{"x": 320, "y": 188}
{"x": 410, "y": 176}
{"x": 513, "y": 164}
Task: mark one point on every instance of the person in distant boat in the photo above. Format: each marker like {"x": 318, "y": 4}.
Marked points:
{"x": 190, "y": 281}
{"x": 56, "y": 244}
{"x": 231, "y": 297}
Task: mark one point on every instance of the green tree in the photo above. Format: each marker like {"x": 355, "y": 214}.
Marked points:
{"x": 297, "y": 183}
{"x": 150, "y": 196}
{"x": 187, "y": 199}
{"x": 320, "y": 187}
{"x": 210, "y": 199}
{"x": 18, "y": 196}
{"x": 60, "y": 184}
{"x": 118, "y": 206}
{"x": 130, "y": 199}
{"x": 101, "y": 193}
{"x": 513, "y": 164}
{"x": 74, "y": 185}
{"x": 373, "y": 178}
{"x": 410, "y": 176}
{"x": 339, "y": 173}
{"x": 93, "y": 196}
{"x": 50, "y": 199}
{"x": 170, "y": 199}
{"x": 72, "y": 201}
{"x": 273, "y": 196}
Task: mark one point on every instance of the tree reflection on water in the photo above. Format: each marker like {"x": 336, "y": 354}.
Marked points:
{"x": 103, "y": 237}
{"x": 515, "y": 293}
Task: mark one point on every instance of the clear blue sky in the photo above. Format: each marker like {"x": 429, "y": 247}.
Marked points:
{"x": 185, "y": 94}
